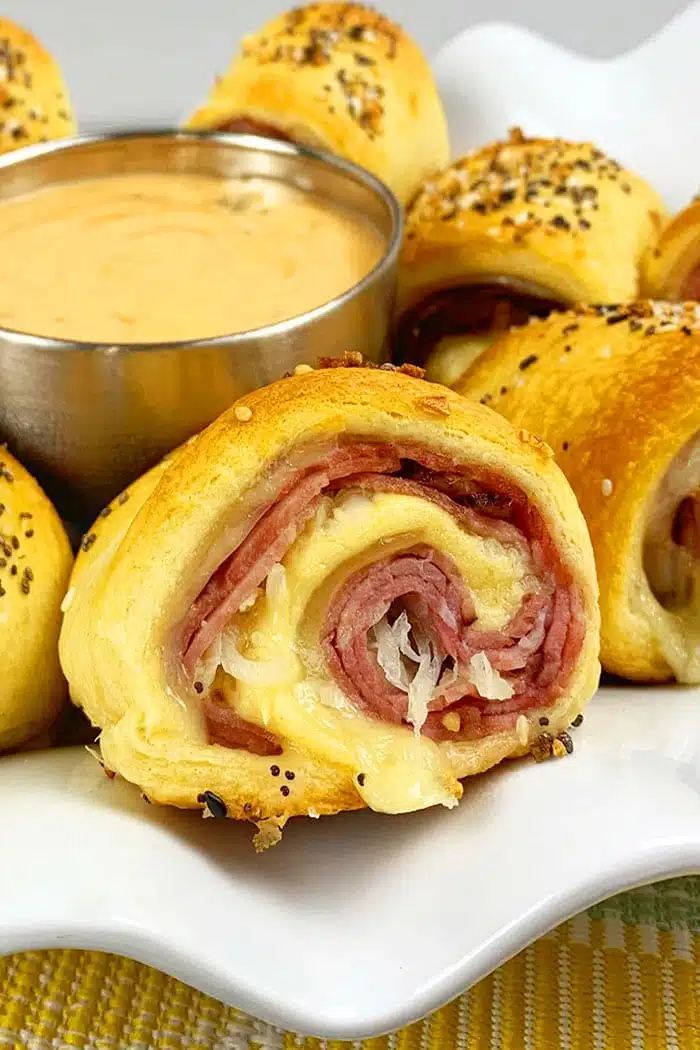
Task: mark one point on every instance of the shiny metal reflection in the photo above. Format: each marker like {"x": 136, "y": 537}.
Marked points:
{"x": 87, "y": 419}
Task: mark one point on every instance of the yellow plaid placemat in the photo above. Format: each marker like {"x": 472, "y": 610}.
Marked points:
{"x": 623, "y": 976}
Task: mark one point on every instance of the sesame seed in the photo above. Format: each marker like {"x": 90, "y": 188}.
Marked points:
{"x": 544, "y": 721}
{"x": 606, "y": 486}
{"x": 542, "y": 748}
{"x": 567, "y": 741}
{"x": 275, "y": 770}
{"x": 577, "y": 721}
{"x": 565, "y": 446}
{"x": 504, "y": 176}
{"x": 522, "y": 730}
{"x": 361, "y": 779}
{"x": 527, "y": 362}
{"x": 284, "y": 790}
{"x": 214, "y": 804}
{"x": 68, "y": 599}
{"x": 199, "y": 687}
{"x": 302, "y": 370}
{"x": 355, "y": 106}
{"x": 243, "y": 413}
{"x": 289, "y": 774}
{"x": 558, "y": 749}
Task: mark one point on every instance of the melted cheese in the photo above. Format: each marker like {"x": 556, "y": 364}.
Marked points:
{"x": 397, "y": 770}
{"x": 454, "y": 354}
{"x": 361, "y": 529}
{"x": 677, "y": 633}
{"x": 672, "y": 573}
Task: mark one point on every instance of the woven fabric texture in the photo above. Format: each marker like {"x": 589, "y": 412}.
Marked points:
{"x": 623, "y": 976}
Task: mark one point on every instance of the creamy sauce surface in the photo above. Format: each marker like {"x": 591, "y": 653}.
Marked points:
{"x": 165, "y": 257}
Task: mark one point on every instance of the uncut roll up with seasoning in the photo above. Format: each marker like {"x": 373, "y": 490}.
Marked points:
{"x": 34, "y": 102}
{"x": 671, "y": 267}
{"x": 615, "y": 390}
{"x": 339, "y": 77}
{"x": 352, "y": 590}
{"x": 513, "y": 230}
{"x": 35, "y": 563}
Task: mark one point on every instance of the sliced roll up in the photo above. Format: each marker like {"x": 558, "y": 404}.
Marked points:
{"x": 338, "y": 77}
{"x": 33, "y": 96}
{"x": 672, "y": 265}
{"x": 512, "y": 231}
{"x": 352, "y": 590}
{"x": 616, "y": 393}
{"x": 35, "y": 563}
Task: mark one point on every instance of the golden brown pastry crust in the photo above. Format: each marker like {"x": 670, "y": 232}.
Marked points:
{"x": 671, "y": 261}
{"x": 35, "y": 561}
{"x": 339, "y": 77}
{"x": 133, "y": 580}
{"x": 34, "y": 100}
{"x": 616, "y": 393}
{"x": 556, "y": 219}
{"x": 574, "y": 222}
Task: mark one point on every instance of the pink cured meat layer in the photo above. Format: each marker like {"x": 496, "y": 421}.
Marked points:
{"x": 536, "y": 650}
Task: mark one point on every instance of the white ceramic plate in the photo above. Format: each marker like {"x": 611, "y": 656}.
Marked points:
{"x": 359, "y": 923}
{"x": 362, "y": 923}
{"x": 639, "y": 106}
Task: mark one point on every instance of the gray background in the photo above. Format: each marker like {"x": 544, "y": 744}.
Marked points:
{"x": 150, "y": 61}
